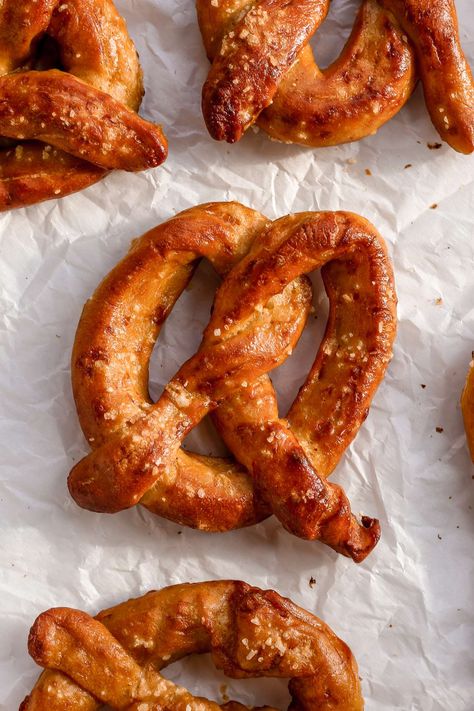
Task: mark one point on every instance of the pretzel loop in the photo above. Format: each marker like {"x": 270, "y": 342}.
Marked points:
{"x": 264, "y": 72}
{"x": 115, "y": 659}
{"x": 82, "y": 120}
{"x": 258, "y": 315}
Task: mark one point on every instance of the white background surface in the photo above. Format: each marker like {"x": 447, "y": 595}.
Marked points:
{"x": 407, "y": 611}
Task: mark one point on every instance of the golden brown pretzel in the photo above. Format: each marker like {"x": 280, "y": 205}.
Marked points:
{"x": 467, "y": 405}
{"x": 264, "y": 72}
{"x": 258, "y": 315}
{"x": 76, "y": 123}
{"x": 115, "y": 658}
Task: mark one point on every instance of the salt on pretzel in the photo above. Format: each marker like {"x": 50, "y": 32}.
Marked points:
{"x": 264, "y": 72}
{"x": 115, "y": 658}
{"x": 65, "y": 129}
{"x": 467, "y": 406}
{"x": 258, "y": 315}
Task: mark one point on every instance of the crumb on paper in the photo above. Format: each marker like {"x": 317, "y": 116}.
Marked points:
{"x": 351, "y": 161}
{"x": 368, "y": 171}
{"x": 440, "y": 429}
{"x": 440, "y": 537}
{"x": 434, "y": 146}
{"x": 423, "y": 385}
{"x": 434, "y": 206}
{"x": 438, "y": 301}
{"x": 312, "y": 582}
{"x": 224, "y": 694}
{"x": 408, "y": 165}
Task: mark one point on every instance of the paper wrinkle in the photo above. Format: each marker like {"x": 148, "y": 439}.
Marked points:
{"x": 407, "y": 611}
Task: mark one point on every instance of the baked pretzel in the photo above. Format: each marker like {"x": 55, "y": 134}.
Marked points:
{"x": 264, "y": 72}
{"x": 115, "y": 658}
{"x": 467, "y": 405}
{"x": 63, "y": 130}
{"x": 258, "y": 315}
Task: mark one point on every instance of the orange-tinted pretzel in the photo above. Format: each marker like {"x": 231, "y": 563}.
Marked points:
{"x": 63, "y": 130}
{"x": 258, "y": 315}
{"x": 467, "y": 405}
{"x": 264, "y": 72}
{"x": 115, "y": 658}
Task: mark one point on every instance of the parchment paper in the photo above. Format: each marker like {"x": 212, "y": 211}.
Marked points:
{"x": 407, "y": 611}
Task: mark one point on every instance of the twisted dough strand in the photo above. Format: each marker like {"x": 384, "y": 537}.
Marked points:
{"x": 258, "y": 315}
{"x": 83, "y": 119}
{"x": 115, "y": 659}
{"x": 264, "y": 72}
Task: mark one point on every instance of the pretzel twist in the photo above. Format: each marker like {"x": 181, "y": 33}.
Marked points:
{"x": 65, "y": 129}
{"x": 115, "y": 658}
{"x": 258, "y": 314}
{"x": 467, "y": 406}
{"x": 264, "y": 72}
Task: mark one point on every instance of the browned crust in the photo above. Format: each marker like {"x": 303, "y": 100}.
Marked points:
{"x": 254, "y": 78}
{"x": 116, "y": 657}
{"x": 447, "y": 78}
{"x": 86, "y": 113}
{"x": 258, "y": 315}
{"x": 63, "y": 111}
{"x": 50, "y": 172}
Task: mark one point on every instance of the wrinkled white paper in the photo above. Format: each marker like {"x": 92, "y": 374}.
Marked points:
{"x": 407, "y": 611}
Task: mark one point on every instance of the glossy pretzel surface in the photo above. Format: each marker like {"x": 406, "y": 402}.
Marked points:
{"x": 264, "y": 72}
{"x": 115, "y": 658}
{"x": 63, "y": 129}
{"x": 281, "y": 464}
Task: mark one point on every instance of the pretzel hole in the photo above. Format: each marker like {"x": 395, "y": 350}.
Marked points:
{"x": 198, "y": 674}
{"x": 290, "y": 376}
{"x": 182, "y": 333}
{"x": 47, "y": 55}
{"x": 329, "y": 40}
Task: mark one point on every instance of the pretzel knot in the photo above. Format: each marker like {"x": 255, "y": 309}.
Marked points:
{"x": 115, "y": 658}
{"x": 258, "y": 315}
{"x": 65, "y": 128}
{"x": 264, "y": 72}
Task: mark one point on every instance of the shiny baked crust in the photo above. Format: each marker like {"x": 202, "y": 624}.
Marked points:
{"x": 258, "y": 315}
{"x": 65, "y": 129}
{"x": 264, "y": 72}
{"x": 467, "y": 406}
{"x": 115, "y": 658}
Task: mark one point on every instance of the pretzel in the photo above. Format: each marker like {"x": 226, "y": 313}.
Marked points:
{"x": 467, "y": 406}
{"x": 115, "y": 658}
{"x": 258, "y": 315}
{"x": 264, "y": 72}
{"x": 63, "y": 130}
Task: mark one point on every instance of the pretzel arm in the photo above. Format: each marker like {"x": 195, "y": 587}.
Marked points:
{"x": 447, "y": 78}
{"x": 32, "y": 172}
{"x": 107, "y": 58}
{"x": 63, "y": 111}
{"x": 252, "y": 59}
{"x": 21, "y": 24}
{"x": 368, "y": 84}
{"x": 283, "y": 472}
{"x": 114, "y": 341}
